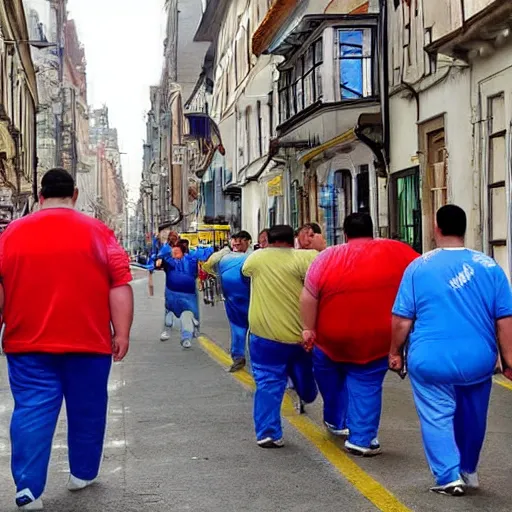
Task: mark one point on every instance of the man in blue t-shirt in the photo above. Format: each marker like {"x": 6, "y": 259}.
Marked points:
{"x": 452, "y": 304}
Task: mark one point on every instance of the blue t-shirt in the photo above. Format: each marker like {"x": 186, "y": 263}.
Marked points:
{"x": 454, "y": 297}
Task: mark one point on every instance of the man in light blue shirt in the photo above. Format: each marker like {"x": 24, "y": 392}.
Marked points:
{"x": 452, "y": 304}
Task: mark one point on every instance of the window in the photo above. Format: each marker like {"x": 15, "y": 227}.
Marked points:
{"x": 260, "y": 129}
{"x": 363, "y": 190}
{"x": 301, "y": 86}
{"x": 336, "y": 201}
{"x": 498, "y": 224}
{"x": 271, "y": 114}
{"x": 355, "y": 63}
{"x": 248, "y": 139}
{"x": 284, "y": 101}
{"x": 406, "y": 216}
{"x": 295, "y": 205}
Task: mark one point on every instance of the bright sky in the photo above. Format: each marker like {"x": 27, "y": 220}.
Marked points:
{"x": 123, "y": 42}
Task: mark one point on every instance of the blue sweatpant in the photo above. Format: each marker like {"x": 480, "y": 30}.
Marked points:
{"x": 352, "y": 395}
{"x": 238, "y": 341}
{"x": 39, "y": 384}
{"x": 453, "y": 422}
{"x": 272, "y": 363}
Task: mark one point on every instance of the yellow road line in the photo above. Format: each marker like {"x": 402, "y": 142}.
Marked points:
{"x": 503, "y": 381}
{"x": 362, "y": 481}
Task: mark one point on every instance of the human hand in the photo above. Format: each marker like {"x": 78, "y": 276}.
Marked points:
{"x": 120, "y": 346}
{"x": 308, "y": 339}
{"x": 319, "y": 243}
{"x": 395, "y": 362}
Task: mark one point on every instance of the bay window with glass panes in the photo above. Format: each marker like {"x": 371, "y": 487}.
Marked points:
{"x": 300, "y": 84}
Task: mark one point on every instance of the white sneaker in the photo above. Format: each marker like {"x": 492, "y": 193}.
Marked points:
{"x": 268, "y": 442}
{"x": 77, "y": 484}
{"x": 455, "y": 488}
{"x": 34, "y": 505}
{"x": 165, "y": 336}
{"x": 26, "y": 501}
{"x": 362, "y": 451}
{"x": 342, "y": 432}
{"x": 471, "y": 480}
{"x": 186, "y": 344}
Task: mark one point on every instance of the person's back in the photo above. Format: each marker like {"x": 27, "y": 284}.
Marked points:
{"x": 234, "y": 288}
{"x": 356, "y": 290}
{"x": 58, "y": 267}
{"x": 68, "y": 308}
{"x": 277, "y": 277}
{"x": 455, "y": 306}
{"x": 456, "y": 297}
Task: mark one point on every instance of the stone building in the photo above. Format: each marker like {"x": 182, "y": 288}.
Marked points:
{"x": 110, "y": 201}
{"x": 18, "y": 104}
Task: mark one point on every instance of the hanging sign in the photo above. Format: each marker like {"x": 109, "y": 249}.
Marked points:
{"x": 275, "y": 187}
{"x": 178, "y": 155}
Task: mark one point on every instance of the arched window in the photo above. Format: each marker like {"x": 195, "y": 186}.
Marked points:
{"x": 248, "y": 120}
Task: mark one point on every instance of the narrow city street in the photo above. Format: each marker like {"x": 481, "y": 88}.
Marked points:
{"x": 181, "y": 438}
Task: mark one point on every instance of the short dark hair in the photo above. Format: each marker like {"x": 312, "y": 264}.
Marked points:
{"x": 358, "y": 225}
{"x": 451, "y": 221}
{"x": 281, "y": 233}
{"x": 263, "y": 232}
{"x": 244, "y": 235}
{"x": 316, "y": 228}
{"x": 57, "y": 183}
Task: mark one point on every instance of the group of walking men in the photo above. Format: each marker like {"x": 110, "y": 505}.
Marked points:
{"x": 328, "y": 319}
{"x": 337, "y": 319}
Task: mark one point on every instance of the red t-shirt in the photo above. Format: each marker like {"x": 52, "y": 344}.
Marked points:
{"x": 57, "y": 268}
{"x": 356, "y": 285}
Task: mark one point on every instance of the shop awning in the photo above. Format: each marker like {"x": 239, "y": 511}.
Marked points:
{"x": 203, "y": 129}
{"x": 202, "y": 126}
{"x": 345, "y": 138}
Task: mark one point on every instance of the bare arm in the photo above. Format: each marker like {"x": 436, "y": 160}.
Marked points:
{"x": 400, "y": 329}
{"x": 308, "y": 310}
{"x": 504, "y": 329}
{"x": 121, "y": 315}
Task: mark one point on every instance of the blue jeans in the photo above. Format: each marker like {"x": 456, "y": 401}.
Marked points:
{"x": 39, "y": 384}
{"x": 453, "y": 421}
{"x": 272, "y": 363}
{"x": 352, "y": 395}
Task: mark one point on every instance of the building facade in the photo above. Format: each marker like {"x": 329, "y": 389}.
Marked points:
{"x": 18, "y": 104}
{"x": 450, "y": 107}
{"x": 110, "y": 203}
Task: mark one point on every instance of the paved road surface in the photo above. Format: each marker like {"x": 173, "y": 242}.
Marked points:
{"x": 181, "y": 438}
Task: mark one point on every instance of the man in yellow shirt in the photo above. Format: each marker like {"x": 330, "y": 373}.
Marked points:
{"x": 277, "y": 278}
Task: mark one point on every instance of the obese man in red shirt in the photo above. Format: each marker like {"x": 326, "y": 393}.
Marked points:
{"x": 67, "y": 308}
{"x": 346, "y": 310}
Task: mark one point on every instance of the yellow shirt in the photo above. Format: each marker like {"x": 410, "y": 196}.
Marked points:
{"x": 277, "y": 278}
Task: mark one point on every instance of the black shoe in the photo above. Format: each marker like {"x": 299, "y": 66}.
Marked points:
{"x": 238, "y": 364}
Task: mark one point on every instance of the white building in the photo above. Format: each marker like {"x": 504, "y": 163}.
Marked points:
{"x": 451, "y": 112}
